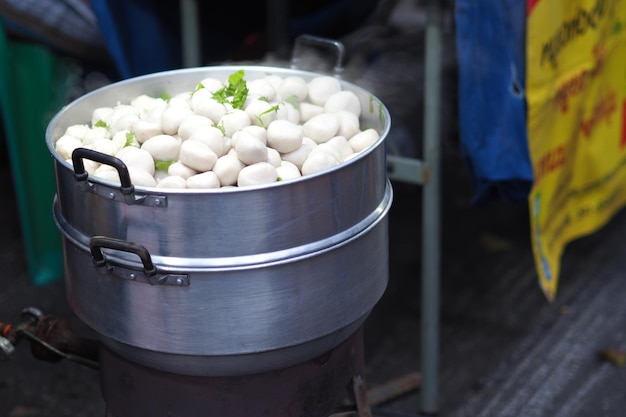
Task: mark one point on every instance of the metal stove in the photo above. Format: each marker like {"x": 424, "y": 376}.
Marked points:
{"x": 331, "y": 384}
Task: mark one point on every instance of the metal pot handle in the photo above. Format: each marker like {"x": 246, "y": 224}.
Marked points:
{"x": 97, "y": 243}
{"x": 81, "y": 174}
{"x": 127, "y": 189}
{"x": 332, "y": 44}
{"x": 149, "y": 273}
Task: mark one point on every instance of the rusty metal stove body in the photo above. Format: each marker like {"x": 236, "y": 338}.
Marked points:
{"x": 315, "y": 388}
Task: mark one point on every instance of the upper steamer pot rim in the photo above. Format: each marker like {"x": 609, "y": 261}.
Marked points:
{"x": 185, "y": 80}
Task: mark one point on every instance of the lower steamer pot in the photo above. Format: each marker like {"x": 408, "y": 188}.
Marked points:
{"x": 272, "y": 311}
{"x": 224, "y": 283}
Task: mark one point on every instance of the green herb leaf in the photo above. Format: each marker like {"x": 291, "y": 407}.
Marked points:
{"x": 293, "y": 100}
{"x": 101, "y": 123}
{"x": 271, "y": 109}
{"x": 371, "y": 103}
{"x": 166, "y": 97}
{"x": 265, "y": 99}
{"x": 163, "y": 165}
{"x": 221, "y": 127}
{"x": 130, "y": 139}
{"x": 200, "y": 86}
{"x": 235, "y": 92}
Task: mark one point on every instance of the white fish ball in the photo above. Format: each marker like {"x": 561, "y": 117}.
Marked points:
{"x": 197, "y": 155}
{"x": 348, "y": 124}
{"x": 284, "y": 136}
{"x": 160, "y": 175}
{"x": 96, "y": 133}
{"x": 321, "y": 88}
{"x": 105, "y": 146}
{"x": 181, "y": 100}
{"x": 262, "y": 88}
{"x": 228, "y": 145}
{"x": 340, "y": 143}
{"x": 322, "y": 127}
{"x": 293, "y": 86}
{"x": 286, "y": 111}
{"x": 233, "y": 121}
{"x": 227, "y": 169}
{"x": 172, "y": 181}
{"x": 274, "y": 80}
{"x": 318, "y": 162}
{"x": 125, "y": 122}
{"x": 211, "y": 84}
{"x": 66, "y": 144}
{"x": 273, "y": 157}
{"x": 162, "y": 147}
{"x": 156, "y": 113}
{"x": 190, "y": 123}
{"x": 144, "y": 103}
{"x": 250, "y": 149}
{"x": 207, "y": 179}
{"x": 287, "y": 171}
{"x": 121, "y": 139}
{"x": 107, "y": 172}
{"x": 343, "y": 100}
{"x": 308, "y": 110}
{"x": 328, "y": 149}
{"x": 257, "y": 174}
{"x": 141, "y": 178}
{"x": 172, "y": 117}
{"x": 77, "y": 131}
{"x": 210, "y": 136}
{"x": 121, "y": 111}
{"x": 181, "y": 170}
{"x": 298, "y": 156}
{"x": 261, "y": 112}
{"x": 258, "y": 131}
{"x": 211, "y": 108}
{"x": 137, "y": 158}
{"x": 144, "y": 129}
{"x": 363, "y": 140}
{"x": 199, "y": 96}
{"x": 101, "y": 114}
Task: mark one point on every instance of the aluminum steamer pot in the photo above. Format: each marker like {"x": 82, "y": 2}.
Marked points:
{"x": 224, "y": 281}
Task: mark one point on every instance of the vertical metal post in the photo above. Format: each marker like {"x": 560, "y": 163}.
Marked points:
{"x": 431, "y": 212}
{"x": 190, "y": 33}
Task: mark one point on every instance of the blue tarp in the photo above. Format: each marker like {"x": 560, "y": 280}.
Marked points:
{"x": 492, "y": 108}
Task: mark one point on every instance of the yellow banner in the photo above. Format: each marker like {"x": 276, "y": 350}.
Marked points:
{"x": 576, "y": 96}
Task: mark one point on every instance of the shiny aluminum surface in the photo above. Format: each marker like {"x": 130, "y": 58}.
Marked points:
{"x": 222, "y": 222}
{"x": 232, "y": 320}
{"x": 244, "y": 279}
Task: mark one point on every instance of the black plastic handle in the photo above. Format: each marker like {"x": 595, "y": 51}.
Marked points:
{"x": 97, "y": 243}
{"x": 81, "y": 174}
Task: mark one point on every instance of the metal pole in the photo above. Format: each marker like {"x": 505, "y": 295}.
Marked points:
{"x": 190, "y": 33}
{"x": 431, "y": 212}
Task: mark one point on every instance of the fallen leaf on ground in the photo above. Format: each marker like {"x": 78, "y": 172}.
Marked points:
{"x": 616, "y": 357}
{"x": 21, "y": 411}
{"x": 492, "y": 243}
